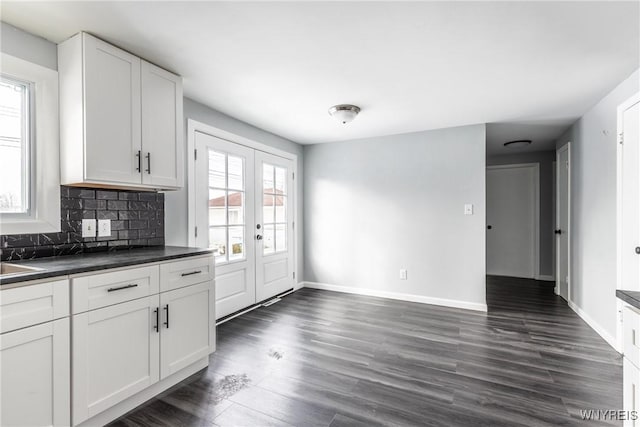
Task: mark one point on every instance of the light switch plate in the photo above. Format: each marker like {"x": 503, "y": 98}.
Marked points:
{"x": 88, "y": 228}
{"x": 468, "y": 209}
{"x": 104, "y": 227}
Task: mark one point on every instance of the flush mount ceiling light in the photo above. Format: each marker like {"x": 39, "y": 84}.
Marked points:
{"x": 519, "y": 143}
{"x": 344, "y": 113}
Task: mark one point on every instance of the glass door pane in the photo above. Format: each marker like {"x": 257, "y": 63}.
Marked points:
{"x": 227, "y": 227}
{"x": 274, "y": 208}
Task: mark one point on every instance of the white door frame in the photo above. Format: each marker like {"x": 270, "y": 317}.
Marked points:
{"x": 536, "y": 189}
{"x": 567, "y": 148}
{"x": 194, "y": 126}
{"x": 620, "y": 129}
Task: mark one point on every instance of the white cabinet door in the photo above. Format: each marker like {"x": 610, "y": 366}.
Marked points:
{"x": 188, "y": 326}
{"x": 35, "y": 380}
{"x": 631, "y": 392}
{"x": 115, "y": 355}
{"x": 111, "y": 114}
{"x": 161, "y": 127}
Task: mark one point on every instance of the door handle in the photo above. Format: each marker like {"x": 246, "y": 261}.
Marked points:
{"x": 166, "y": 322}
{"x": 489, "y": 227}
{"x": 148, "y": 156}
{"x": 638, "y": 250}
{"x": 139, "y": 156}
{"x": 558, "y": 231}
{"x": 258, "y": 237}
{"x": 157, "y": 325}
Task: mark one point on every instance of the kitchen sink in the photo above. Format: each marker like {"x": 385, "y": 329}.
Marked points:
{"x": 8, "y": 269}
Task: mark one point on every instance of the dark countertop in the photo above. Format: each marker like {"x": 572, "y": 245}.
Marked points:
{"x": 72, "y": 264}
{"x": 630, "y": 297}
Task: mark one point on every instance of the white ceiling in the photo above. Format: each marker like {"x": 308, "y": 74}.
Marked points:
{"x": 527, "y": 66}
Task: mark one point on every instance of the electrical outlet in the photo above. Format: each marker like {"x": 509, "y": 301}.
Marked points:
{"x": 468, "y": 209}
{"x": 88, "y": 228}
{"x": 104, "y": 227}
{"x": 403, "y": 274}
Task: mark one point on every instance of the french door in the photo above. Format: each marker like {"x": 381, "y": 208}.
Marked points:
{"x": 244, "y": 213}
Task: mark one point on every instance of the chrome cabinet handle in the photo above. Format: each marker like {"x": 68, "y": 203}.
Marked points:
{"x": 191, "y": 273}
{"x": 148, "y": 156}
{"x": 119, "y": 288}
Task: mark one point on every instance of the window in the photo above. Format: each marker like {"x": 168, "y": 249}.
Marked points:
{"x": 29, "y": 148}
{"x": 16, "y": 118}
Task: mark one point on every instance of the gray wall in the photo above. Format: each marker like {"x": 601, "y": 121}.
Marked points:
{"x": 21, "y": 44}
{"x": 376, "y": 205}
{"x": 594, "y": 206}
{"x": 176, "y": 202}
{"x": 547, "y": 194}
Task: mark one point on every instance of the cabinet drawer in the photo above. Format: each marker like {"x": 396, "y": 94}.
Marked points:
{"x": 101, "y": 290}
{"x": 178, "y": 274}
{"x": 32, "y": 304}
{"x": 631, "y": 331}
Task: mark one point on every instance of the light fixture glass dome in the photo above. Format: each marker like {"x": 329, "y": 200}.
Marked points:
{"x": 344, "y": 113}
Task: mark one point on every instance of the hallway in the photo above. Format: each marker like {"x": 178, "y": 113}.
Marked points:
{"x": 326, "y": 358}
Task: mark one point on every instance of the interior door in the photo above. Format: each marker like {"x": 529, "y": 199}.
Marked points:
{"x": 630, "y": 203}
{"x": 512, "y": 220}
{"x": 562, "y": 222}
{"x": 224, "y": 189}
{"x": 274, "y": 225}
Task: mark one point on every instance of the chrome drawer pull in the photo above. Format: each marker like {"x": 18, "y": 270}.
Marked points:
{"x": 119, "y": 288}
{"x": 193, "y": 272}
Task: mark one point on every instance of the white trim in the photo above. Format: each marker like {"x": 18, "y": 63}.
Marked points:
{"x": 398, "y": 296}
{"x": 620, "y": 129}
{"x": 46, "y": 149}
{"x": 566, "y": 147}
{"x": 546, "y": 278}
{"x": 610, "y": 339}
{"x": 536, "y": 188}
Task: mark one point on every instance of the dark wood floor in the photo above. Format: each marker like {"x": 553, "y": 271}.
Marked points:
{"x": 320, "y": 358}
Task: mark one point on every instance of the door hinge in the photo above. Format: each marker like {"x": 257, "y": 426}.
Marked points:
{"x": 293, "y": 175}
{"x": 196, "y": 231}
{"x": 195, "y": 154}
{"x": 621, "y": 140}
{"x": 567, "y": 164}
{"x": 620, "y": 316}
{"x": 293, "y": 224}
{"x": 294, "y": 274}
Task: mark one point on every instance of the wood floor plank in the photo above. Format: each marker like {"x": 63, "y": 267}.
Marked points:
{"x": 320, "y": 358}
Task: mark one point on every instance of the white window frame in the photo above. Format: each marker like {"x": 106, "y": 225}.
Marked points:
{"x": 44, "y": 182}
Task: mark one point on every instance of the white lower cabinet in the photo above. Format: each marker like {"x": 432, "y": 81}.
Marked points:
{"x": 116, "y": 352}
{"x": 34, "y": 385}
{"x": 186, "y": 327}
{"x": 137, "y": 341}
{"x": 631, "y": 393}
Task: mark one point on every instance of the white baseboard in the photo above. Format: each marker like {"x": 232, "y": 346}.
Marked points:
{"x": 399, "y": 296}
{"x": 546, "y": 278}
{"x": 610, "y": 339}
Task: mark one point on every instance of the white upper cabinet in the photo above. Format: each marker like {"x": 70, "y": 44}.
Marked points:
{"x": 161, "y": 127}
{"x": 120, "y": 116}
